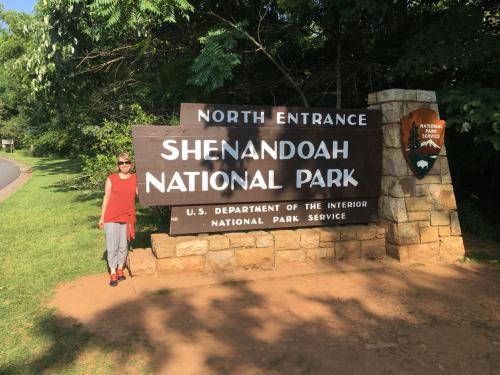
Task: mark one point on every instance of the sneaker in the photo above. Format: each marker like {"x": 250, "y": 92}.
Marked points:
{"x": 120, "y": 275}
{"x": 113, "y": 280}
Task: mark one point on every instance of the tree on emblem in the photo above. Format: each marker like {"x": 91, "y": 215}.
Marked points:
{"x": 413, "y": 142}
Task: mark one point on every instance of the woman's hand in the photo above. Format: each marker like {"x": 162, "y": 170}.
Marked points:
{"x": 101, "y": 224}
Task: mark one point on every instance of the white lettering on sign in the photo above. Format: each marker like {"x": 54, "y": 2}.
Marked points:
{"x": 333, "y": 177}
{"x": 203, "y": 181}
{"x": 209, "y": 149}
{"x": 323, "y": 217}
{"x": 282, "y": 118}
{"x": 225, "y": 210}
{"x": 231, "y": 116}
{"x": 236, "y": 222}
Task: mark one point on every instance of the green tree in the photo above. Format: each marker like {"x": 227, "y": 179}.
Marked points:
{"x": 14, "y": 88}
{"x": 413, "y": 141}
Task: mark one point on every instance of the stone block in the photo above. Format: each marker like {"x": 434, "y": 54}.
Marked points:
{"x": 262, "y": 238}
{"x": 451, "y": 249}
{"x": 348, "y": 233}
{"x": 426, "y": 252}
{"x": 347, "y": 250}
{"x": 426, "y": 96}
{"x": 392, "y": 135}
{"x": 399, "y": 252}
{"x": 418, "y": 204}
{"x": 309, "y": 238}
{"x": 326, "y": 244}
{"x": 455, "y": 224}
{"x": 436, "y": 168}
{"x": 393, "y": 162}
{"x": 442, "y": 197}
{"x": 419, "y": 216}
{"x": 259, "y": 257}
{"x": 163, "y": 245}
{"x": 366, "y": 232}
{"x": 380, "y": 232}
{"x": 435, "y": 108}
{"x": 429, "y": 179}
{"x": 391, "y": 112}
{"x": 445, "y": 170}
{"x": 403, "y": 234}
{"x": 440, "y": 218}
{"x": 329, "y": 234}
{"x": 217, "y": 261}
{"x": 380, "y": 206}
{"x": 444, "y": 231}
{"x": 424, "y": 223}
{"x": 320, "y": 253}
{"x": 429, "y": 234}
{"x": 394, "y": 209}
{"x": 241, "y": 239}
{"x": 396, "y": 95}
{"x": 422, "y": 190}
{"x": 399, "y": 187}
{"x": 286, "y": 240}
{"x": 218, "y": 242}
{"x": 191, "y": 245}
{"x": 181, "y": 264}
{"x": 411, "y": 106}
{"x": 290, "y": 256}
{"x": 141, "y": 262}
{"x": 373, "y": 249}
{"x": 372, "y": 98}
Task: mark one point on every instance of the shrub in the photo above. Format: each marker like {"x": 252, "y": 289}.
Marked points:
{"x": 108, "y": 141}
{"x": 52, "y": 142}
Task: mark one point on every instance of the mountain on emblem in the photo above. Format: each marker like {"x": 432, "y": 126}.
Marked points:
{"x": 429, "y": 143}
{"x": 422, "y": 137}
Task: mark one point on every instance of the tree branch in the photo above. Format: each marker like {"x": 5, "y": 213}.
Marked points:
{"x": 261, "y": 47}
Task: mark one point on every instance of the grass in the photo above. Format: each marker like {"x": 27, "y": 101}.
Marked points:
{"x": 49, "y": 235}
{"x": 481, "y": 257}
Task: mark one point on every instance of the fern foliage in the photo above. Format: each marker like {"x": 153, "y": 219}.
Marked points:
{"x": 216, "y": 61}
{"x": 136, "y": 16}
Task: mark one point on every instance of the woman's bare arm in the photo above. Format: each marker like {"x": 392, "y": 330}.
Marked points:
{"x": 107, "y": 193}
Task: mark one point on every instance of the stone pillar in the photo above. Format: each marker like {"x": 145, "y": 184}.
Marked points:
{"x": 420, "y": 215}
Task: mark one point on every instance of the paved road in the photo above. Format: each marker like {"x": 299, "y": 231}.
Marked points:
{"x": 8, "y": 173}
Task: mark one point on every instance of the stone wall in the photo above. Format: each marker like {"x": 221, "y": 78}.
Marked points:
{"x": 259, "y": 249}
{"x": 420, "y": 215}
{"x": 418, "y": 219}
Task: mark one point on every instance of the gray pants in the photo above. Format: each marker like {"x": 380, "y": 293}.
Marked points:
{"x": 116, "y": 244}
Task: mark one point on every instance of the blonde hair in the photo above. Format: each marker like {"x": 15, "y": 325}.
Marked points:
{"x": 125, "y": 156}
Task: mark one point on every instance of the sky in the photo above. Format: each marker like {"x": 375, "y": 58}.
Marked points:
{"x": 19, "y": 5}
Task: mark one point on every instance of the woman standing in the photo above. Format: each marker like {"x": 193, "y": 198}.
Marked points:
{"x": 118, "y": 216}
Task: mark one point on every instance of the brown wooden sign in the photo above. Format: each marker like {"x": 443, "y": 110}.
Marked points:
{"x": 215, "y": 165}
{"x": 201, "y": 114}
{"x": 252, "y": 216}
{"x": 422, "y": 137}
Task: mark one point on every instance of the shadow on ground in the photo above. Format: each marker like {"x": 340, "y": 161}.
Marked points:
{"x": 427, "y": 319}
{"x": 57, "y": 166}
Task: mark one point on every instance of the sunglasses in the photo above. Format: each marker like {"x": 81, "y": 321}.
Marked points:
{"x": 124, "y": 162}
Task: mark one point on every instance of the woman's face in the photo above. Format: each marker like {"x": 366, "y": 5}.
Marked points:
{"x": 124, "y": 165}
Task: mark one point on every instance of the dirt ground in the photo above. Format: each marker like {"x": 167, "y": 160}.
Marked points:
{"x": 352, "y": 318}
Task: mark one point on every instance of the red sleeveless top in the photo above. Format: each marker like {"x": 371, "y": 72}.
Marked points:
{"x": 121, "y": 204}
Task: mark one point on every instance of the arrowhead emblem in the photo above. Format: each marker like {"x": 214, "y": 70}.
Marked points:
{"x": 422, "y": 137}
